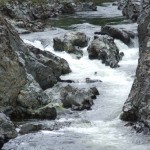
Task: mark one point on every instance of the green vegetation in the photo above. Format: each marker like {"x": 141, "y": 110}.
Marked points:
{"x": 3, "y": 2}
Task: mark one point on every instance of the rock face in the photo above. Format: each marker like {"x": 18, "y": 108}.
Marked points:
{"x": 72, "y": 42}
{"x": 104, "y": 48}
{"x": 7, "y": 129}
{"x": 24, "y": 73}
{"x": 12, "y": 71}
{"x": 116, "y": 33}
{"x": 137, "y": 106}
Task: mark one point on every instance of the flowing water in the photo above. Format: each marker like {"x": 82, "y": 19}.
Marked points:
{"x": 100, "y": 128}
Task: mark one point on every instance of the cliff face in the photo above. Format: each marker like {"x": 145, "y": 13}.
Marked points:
{"x": 137, "y": 106}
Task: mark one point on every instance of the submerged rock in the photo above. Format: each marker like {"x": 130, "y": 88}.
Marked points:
{"x": 104, "y": 48}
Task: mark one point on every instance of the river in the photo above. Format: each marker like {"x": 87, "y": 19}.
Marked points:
{"x": 99, "y": 128}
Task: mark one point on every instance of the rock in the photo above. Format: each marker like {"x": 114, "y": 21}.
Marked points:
{"x": 132, "y": 9}
{"x": 12, "y": 71}
{"x": 45, "y": 67}
{"x": 104, "y": 48}
{"x": 137, "y": 106}
{"x": 123, "y": 35}
{"x": 85, "y": 6}
{"x": 25, "y": 72}
{"x": 7, "y": 129}
{"x": 94, "y": 91}
{"x": 67, "y": 8}
{"x": 72, "y": 42}
{"x": 42, "y": 125}
{"x": 121, "y": 4}
{"x": 88, "y": 80}
{"x": 77, "y": 99}
{"x": 46, "y": 112}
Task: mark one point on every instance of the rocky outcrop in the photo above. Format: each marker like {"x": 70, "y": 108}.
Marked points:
{"x": 12, "y": 71}
{"x": 123, "y": 35}
{"x": 72, "y": 42}
{"x": 7, "y": 129}
{"x": 29, "y": 14}
{"x": 137, "y": 107}
{"x": 104, "y": 48}
{"x": 24, "y": 73}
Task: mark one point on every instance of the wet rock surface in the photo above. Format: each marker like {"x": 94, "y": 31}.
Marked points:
{"x": 104, "y": 48}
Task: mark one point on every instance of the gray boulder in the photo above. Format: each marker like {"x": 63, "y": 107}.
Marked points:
{"x": 72, "y": 42}
{"x": 12, "y": 71}
{"x": 77, "y": 99}
{"x": 7, "y": 129}
{"x": 45, "y": 67}
{"x": 137, "y": 106}
{"x": 104, "y": 48}
{"x": 25, "y": 71}
{"x": 123, "y": 35}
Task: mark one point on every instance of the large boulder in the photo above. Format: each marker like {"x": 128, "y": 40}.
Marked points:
{"x": 104, "y": 48}
{"x": 12, "y": 71}
{"x": 137, "y": 106}
{"x": 7, "y": 129}
{"x": 45, "y": 67}
{"x": 72, "y": 42}
{"x": 25, "y": 72}
{"x": 124, "y": 36}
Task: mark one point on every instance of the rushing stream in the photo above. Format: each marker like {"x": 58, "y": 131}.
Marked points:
{"x": 100, "y": 128}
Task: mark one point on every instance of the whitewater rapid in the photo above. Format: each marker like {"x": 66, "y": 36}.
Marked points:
{"x": 99, "y": 128}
